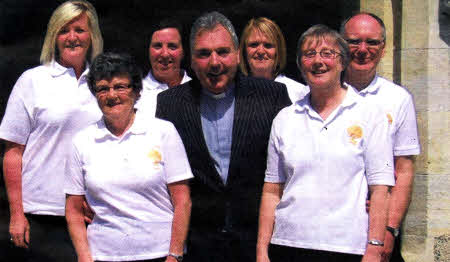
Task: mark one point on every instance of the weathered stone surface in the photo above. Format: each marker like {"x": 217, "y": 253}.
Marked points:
{"x": 441, "y": 248}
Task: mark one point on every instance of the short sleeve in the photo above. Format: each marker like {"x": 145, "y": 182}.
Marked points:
{"x": 74, "y": 175}
{"x": 378, "y": 158}
{"x": 176, "y": 164}
{"x": 16, "y": 124}
{"x": 406, "y": 141}
{"x": 275, "y": 170}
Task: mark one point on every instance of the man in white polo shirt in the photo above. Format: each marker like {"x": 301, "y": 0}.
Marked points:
{"x": 366, "y": 36}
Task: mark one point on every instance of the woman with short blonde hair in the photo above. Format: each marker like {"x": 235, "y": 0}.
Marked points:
{"x": 61, "y": 16}
{"x": 263, "y": 54}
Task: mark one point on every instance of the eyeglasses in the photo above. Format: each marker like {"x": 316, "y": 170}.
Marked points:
{"x": 103, "y": 90}
{"x": 326, "y": 54}
{"x": 369, "y": 42}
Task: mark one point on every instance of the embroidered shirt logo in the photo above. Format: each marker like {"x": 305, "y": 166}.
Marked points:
{"x": 355, "y": 132}
{"x": 155, "y": 156}
{"x": 389, "y": 117}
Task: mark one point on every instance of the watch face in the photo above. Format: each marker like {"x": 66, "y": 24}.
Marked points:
{"x": 394, "y": 231}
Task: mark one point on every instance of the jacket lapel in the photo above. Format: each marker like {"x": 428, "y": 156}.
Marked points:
{"x": 241, "y": 122}
{"x": 191, "y": 116}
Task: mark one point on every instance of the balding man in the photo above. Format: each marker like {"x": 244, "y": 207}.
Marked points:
{"x": 224, "y": 120}
{"x": 366, "y": 36}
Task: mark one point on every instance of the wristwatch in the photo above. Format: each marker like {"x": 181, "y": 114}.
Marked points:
{"x": 393, "y": 231}
{"x": 178, "y": 258}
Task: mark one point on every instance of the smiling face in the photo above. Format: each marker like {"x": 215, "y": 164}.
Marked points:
{"x": 73, "y": 41}
{"x": 365, "y": 56}
{"x": 115, "y": 97}
{"x": 261, "y": 55}
{"x": 215, "y": 59}
{"x": 166, "y": 53}
{"x": 321, "y": 72}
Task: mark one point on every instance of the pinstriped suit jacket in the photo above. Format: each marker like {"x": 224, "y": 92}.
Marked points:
{"x": 234, "y": 206}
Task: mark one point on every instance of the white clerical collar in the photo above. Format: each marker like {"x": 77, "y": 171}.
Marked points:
{"x": 228, "y": 91}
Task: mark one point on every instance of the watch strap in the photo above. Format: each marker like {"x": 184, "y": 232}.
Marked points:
{"x": 394, "y": 231}
{"x": 178, "y": 258}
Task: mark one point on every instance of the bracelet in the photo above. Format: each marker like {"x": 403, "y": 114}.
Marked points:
{"x": 375, "y": 242}
{"x": 178, "y": 258}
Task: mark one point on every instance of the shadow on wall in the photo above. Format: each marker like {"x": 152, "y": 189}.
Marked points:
{"x": 444, "y": 20}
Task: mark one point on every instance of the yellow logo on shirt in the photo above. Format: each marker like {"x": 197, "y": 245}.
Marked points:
{"x": 355, "y": 132}
{"x": 389, "y": 117}
{"x": 155, "y": 156}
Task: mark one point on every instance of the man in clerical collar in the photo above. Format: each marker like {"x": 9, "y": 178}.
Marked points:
{"x": 224, "y": 120}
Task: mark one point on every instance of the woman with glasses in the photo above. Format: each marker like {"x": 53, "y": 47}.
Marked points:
{"x": 48, "y": 105}
{"x": 133, "y": 172}
{"x": 326, "y": 154}
{"x": 263, "y": 54}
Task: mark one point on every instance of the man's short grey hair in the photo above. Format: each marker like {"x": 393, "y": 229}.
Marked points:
{"x": 378, "y": 19}
{"x": 209, "y": 21}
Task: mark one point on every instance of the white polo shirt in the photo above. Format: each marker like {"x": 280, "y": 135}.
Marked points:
{"x": 326, "y": 167}
{"x": 398, "y": 105}
{"x": 150, "y": 90}
{"x": 125, "y": 182}
{"x": 47, "y": 106}
{"x": 295, "y": 89}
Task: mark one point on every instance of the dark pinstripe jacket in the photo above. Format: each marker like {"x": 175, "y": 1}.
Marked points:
{"x": 234, "y": 206}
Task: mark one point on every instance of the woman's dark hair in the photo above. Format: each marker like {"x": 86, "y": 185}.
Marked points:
{"x": 108, "y": 65}
{"x": 172, "y": 22}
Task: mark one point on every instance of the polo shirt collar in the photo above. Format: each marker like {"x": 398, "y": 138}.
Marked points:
{"x": 154, "y": 84}
{"x": 137, "y": 128}
{"x": 351, "y": 97}
{"x": 373, "y": 86}
{"x": 56, "y": 69}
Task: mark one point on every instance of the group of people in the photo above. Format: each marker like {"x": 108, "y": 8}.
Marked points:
{"x": 234, "y": 163}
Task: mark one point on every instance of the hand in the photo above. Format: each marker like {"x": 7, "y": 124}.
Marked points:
{"x": 88, "y": 212}
{"x": 389, "y": 242}
{"x": 19, "y": 229}
{"x": 372, "y": 254}
{"x": 85, "y": 259}
{"x": 263, "y": 258}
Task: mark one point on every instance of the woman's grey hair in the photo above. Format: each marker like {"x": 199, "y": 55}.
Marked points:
{"x": 379, "y": 20}
{"x": 65, "y": 13}
{"x": 207, "y": 22}
{"x": 321, "y": 33}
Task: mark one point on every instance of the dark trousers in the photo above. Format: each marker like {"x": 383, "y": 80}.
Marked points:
{"x": 49, "y": 242}
{"x": 217, "y": 246}
{"x": 396, "y": 255}
{"x": 162, "y": 259}
{"x": 279, "y": 253}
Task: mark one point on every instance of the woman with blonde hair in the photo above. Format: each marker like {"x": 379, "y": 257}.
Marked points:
{"x": 48, "y": 105}
{"x": 263, "y": 54}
